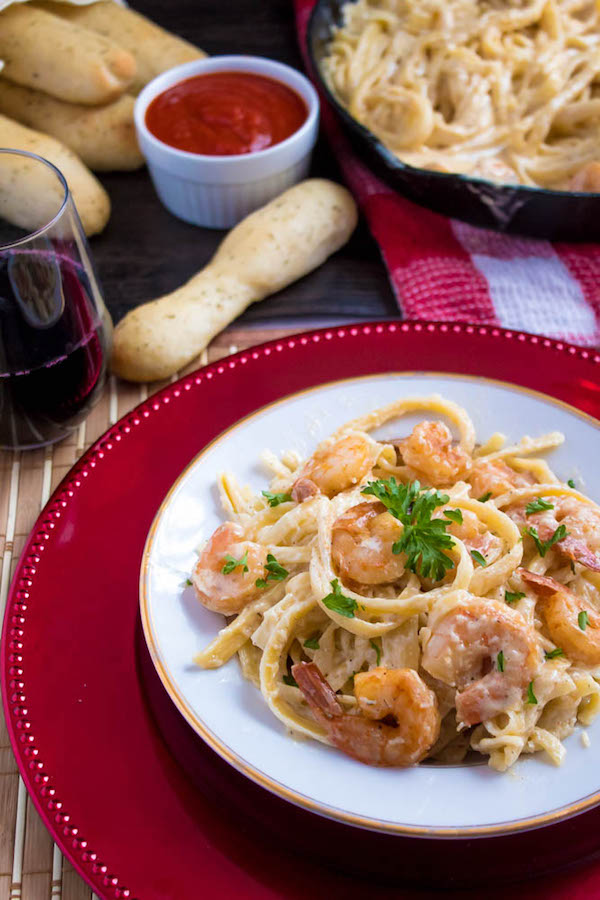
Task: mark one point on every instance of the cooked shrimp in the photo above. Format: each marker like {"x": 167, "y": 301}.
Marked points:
{"x": 399, "y": 721}
{"x": 361, "y": 545}
{"x": 429, "y": 450}
{"x": 335, "y": 466}
{"x": 470, "y": 532}
{"x": 462, "y": 650}
{"x": 228, "y": 593}
{"x": 303, "y": 489}
{"x": 561, "y": 611}
{"x": 582, "y": 523}
{"x": 587, "y": 178}
{"x": 495, "y": 477}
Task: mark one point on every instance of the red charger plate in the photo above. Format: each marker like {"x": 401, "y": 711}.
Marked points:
{"x": 141, "y": 807}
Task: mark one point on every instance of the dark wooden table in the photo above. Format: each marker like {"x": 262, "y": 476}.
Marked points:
{"x": 145, "y": 251}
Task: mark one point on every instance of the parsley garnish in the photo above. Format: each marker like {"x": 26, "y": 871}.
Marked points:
{"x": 500, "y": 659}
{"x": 288, "y": 679}
{"x": 276, "y": 499}
{"x": 537, "y": 505}
{"x": 512, "y": 597}
{"x": 423, "y": 539}
{"x": 479, "y": 558}
{"x": 485, "y": 497}
{"x": 531, "y": 698}
{"x": 339, "y": 603}
{"x": 273, "y": 570}
{"x": 377, "y": 650}
{"x": 398, "y": 498}
{"x": 189, "y": 581}
{"x": 232, "y": 563}
{"x": 583, "y": 620}
{"x": 312, "y": 643}
{"x": 543, "y": 546}
{"x": 455, "y": 515}
{"x": 552, "y": 654}
{"x": 571, "y": 484}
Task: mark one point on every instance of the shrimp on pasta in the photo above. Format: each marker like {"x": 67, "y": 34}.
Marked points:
{"x": 426, "y": 598}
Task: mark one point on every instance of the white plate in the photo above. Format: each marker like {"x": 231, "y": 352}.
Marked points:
{"x": 230, "y": 714}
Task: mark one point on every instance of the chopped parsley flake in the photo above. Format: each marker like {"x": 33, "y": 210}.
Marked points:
{"x": 583, "y": 620}
{"x": 289, "y": 680}
{"x": 479, "y": 558}
{"x": 553, "y": 654}
{"x": 339, "y": 603}
{"x": 543, "y": 546}
{"x": 531, "y": 698}
{"x": 485, "y": 497}
{"x": 276, "y": 499}
{"x": 513, "y": 596}
{"x": 571, "y": 484}
{"x": 312, "y": 643}
{"x": 500, "y": 660}
{"x": 537, "y": 505}
{"x": 274, "y": 571}
{"x": 232, "y": 563}
{"x": 377, "y": 649}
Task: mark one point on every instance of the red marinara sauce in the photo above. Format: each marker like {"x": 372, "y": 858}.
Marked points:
{"x": 226, "y": 113}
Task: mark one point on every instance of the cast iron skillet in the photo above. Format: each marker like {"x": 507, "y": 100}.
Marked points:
{"x": 515, "y": 209}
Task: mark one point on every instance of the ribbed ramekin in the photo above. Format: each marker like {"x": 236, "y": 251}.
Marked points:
{"x": 218, "y": 191}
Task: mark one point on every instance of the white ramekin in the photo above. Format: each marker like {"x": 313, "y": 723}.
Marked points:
{"x": 218, "y": 191}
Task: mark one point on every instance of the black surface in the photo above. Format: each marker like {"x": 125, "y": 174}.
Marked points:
{"x": 145, "y": 251}
{"x": 534, "y": 212}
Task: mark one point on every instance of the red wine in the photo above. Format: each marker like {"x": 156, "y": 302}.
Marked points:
{"x": 53, "y": 347}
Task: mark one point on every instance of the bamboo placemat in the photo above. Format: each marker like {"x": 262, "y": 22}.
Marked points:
{"x": 31, "y": 866}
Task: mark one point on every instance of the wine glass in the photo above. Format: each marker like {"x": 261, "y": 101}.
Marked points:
{"x": 55, "y": 331}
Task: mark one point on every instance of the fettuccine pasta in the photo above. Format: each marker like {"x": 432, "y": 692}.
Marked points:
{"x": 506, "y": 90}
{"x": 427, "y": 598}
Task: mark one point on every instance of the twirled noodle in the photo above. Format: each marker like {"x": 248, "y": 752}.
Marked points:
{"x": 321, "y": 594}
{"x": 232, "y": 638}
{"x": 507, "y": 90}
{"x": 548, "y": 490}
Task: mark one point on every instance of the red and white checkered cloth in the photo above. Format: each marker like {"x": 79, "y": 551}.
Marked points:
{"x": 443, "y": 269}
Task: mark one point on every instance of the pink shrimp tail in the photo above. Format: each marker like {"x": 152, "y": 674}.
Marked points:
{"x": 318, "y": 693}
{"x": 303, "y": 489}
{"x": 573, "y": 548}
{"x": 542, "y": 584}
{"x": 578, "y": 551}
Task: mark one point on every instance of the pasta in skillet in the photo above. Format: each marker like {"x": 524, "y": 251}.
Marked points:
{"x": 421, "y": 598}
{"x": 507, "y": 90}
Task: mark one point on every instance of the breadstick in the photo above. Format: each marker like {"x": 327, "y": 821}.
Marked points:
{"x": 272, "y": 247}
{"x": 29, "y": 194}
{"x": 102, "y": 136}
{"x": 63, "y": 59}
{"x": 155, "y": 50}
